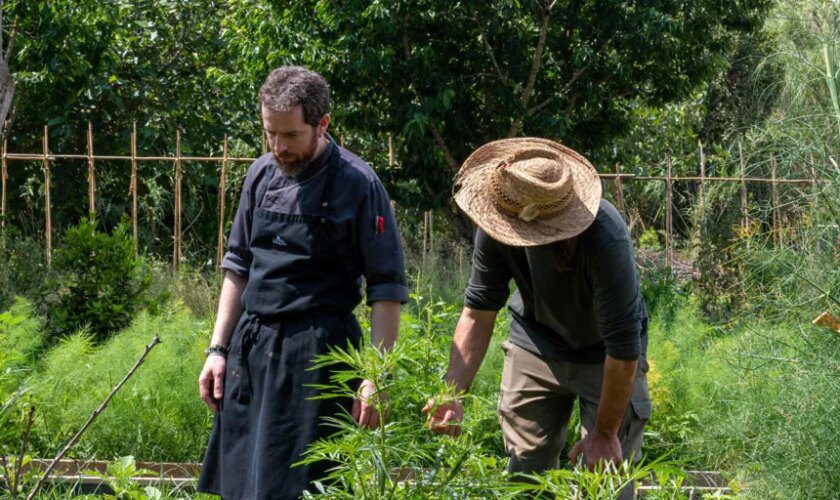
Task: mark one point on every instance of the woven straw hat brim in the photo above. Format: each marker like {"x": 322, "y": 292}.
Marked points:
{"x": 475, "y": 197}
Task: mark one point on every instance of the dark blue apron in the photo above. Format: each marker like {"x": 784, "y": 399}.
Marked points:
{"x": 293, "y": 312}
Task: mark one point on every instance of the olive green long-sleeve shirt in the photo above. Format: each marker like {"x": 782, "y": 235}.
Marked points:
{"x": 591, "y": 307}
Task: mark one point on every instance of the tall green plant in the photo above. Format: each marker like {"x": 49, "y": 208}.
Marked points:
{"x": 402, "y": 459}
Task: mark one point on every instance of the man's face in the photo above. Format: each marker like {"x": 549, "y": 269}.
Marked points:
{"x": 292, "y": 141}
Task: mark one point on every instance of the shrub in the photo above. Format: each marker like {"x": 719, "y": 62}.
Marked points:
{"x": 23, "y": 267}
{"x": 98, "y": 283}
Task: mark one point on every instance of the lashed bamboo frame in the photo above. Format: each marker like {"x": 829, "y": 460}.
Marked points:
{"x": 91, "y": 172}
{"x": 618, "y": 177}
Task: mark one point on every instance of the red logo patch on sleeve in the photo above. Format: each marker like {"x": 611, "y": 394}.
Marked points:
{"x": 380, "y": 224}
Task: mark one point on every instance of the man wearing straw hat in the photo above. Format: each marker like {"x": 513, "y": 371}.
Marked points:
{"x": 578, "y": 328}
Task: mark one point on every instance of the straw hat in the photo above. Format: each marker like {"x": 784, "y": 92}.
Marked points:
{"x": 528, "y": 191}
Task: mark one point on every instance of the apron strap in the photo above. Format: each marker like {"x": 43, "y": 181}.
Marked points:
{"x": 263, "y": 187}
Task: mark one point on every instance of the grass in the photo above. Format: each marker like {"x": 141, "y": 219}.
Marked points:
{"x": 156, "y": 416}
{"x": 756, "y": 400}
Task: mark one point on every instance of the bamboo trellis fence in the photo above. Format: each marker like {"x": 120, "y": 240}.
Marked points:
{"x": 618, "y": 178}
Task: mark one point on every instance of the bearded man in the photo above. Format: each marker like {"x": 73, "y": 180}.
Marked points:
{"x": 313, "y": 219}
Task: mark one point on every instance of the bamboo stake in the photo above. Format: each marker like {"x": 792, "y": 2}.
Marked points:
{"x": 619, "y": 193}
{"x": 90, "y": 420}
{"x": 91, "y": 172}
{"x": 431, "y": 238}
{"x": 391, "y": 161}
{"x": 222, "y": 186}
{"x": 4, "y": 175}
{"x": 391, "y": 158}
{"x": 425, "y": 237}
{"x": 745, "y": 218}
{"x": 341, "y": 140}
{"x": 176, "y": 251}
{"x": 702, "y": 188}
{"x": 669, "y": 244}
{"x": 46, "y": 145}
{"x": 265, "y": 142}
{"x": 24, "y": 442}
{"x": 814, "y": 194}
{"x": 133, "y": 186}
{"x": 777, "y": 223}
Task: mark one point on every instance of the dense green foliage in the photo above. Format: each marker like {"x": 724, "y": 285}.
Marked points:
{"x": 441, "y": 78}
{"x": 23, "y": 267}
{"x": 97, "y": 282}
{"x": 448, "y": 78}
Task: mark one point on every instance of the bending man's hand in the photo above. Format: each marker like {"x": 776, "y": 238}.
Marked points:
{"x": 364, "y": 406}
{"x": 444, "y": 418}
{"x": 597, "y": 447}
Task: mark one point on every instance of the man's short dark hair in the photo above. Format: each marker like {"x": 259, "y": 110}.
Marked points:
{"x": 290, "y": 86}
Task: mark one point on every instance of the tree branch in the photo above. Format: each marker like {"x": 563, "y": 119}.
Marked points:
{"x": 96, "y": 413}
{"x": 439, "y": 140}
{"x": 502, "y": 76}
{"x": 536, "y": 61}
{"x": 11, "y": 45}
{"x": 447, "y": 155}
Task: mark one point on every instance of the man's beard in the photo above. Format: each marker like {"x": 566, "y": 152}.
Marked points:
{"x": 295, "y": 164}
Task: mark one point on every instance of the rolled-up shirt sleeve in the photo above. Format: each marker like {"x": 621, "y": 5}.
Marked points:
{"x": 616, "y": 298}
{"x": 378, "y": 244}
{"x": 489, "y": 286}
{"x": 238, "y": 257}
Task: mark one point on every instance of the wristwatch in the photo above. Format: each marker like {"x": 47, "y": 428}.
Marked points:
{"x": 218, "y": 350}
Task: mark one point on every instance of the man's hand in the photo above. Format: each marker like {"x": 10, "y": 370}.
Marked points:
{"x": 211, "y": 382}
{"x": 444, "y": 418}
{"x": 597, "y": 447}
{"x": 364, "y": 406}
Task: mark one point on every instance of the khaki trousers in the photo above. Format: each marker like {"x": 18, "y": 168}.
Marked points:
{"x": 536, "y": 400}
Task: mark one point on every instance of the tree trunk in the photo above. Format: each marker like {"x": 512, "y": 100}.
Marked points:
{"x": 462, "y": 227}
{"x": 7, "y": 90}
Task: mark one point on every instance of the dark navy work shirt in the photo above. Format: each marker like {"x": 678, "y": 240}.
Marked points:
{"x": 577, "y": 312}
{"x": 368, "y": 238}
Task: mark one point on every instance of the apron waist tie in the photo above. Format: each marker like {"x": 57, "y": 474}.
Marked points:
{"x": 250, "y": 336}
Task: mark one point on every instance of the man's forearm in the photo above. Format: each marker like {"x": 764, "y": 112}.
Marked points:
{"x": 469, "y": 345}
{"x": 384, "y": 323}
{"x": 230, "y": 307}
{"x": 617, "y": 387}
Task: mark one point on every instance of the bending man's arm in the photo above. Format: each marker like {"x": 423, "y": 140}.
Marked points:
{"x": 602, "y": 443}
{"x": 469, "y": 345}
{"x": 211, "y": 382}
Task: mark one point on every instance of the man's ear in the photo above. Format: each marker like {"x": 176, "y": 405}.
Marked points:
{"x": 323, "y": 124}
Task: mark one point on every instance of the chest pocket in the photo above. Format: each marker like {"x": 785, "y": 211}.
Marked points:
{"x": 294, "y": 234}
